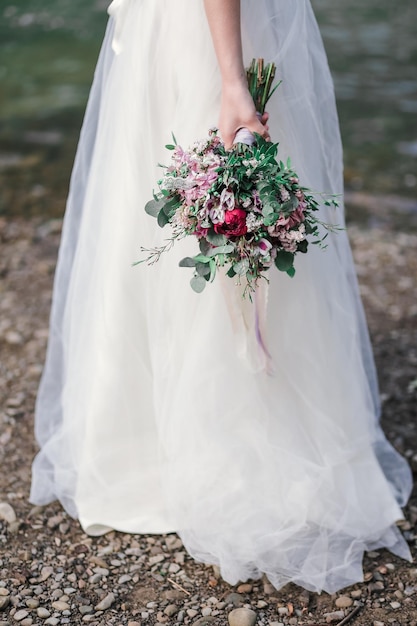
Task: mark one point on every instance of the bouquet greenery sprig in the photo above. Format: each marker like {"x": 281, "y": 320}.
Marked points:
{"x": 246, "y": 207}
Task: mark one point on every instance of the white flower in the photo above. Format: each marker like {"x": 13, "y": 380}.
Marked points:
{"x": 227, "y": 200}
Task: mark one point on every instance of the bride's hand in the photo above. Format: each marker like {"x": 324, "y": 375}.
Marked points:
{"x": 238, "y": 111}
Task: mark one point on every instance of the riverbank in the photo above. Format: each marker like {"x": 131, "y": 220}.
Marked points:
{"x": 51, "y": 573}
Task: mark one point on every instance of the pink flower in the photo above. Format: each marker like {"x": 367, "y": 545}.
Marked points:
{"x": 264, "y": 246}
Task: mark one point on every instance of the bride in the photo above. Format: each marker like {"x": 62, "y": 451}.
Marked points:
{"x": 155, "y": 414}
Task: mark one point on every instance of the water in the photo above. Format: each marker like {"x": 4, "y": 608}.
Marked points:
{"x": 48, "y": 49}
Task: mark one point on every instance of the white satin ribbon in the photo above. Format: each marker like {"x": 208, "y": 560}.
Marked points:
{"x": 118, "y": 10}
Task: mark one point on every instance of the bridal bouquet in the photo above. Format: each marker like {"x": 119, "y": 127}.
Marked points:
{"x": 246, "y": 208}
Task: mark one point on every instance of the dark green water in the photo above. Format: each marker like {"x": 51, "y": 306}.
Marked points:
{"x": 48, "y": 50}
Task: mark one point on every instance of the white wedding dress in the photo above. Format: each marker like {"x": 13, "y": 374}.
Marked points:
{"x": 154, "y": 413}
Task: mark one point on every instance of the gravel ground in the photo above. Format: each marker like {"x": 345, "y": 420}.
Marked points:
{"x": 52, "y": 573}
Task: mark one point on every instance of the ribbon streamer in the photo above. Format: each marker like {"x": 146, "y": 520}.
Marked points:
{"x": 248, "y": 318}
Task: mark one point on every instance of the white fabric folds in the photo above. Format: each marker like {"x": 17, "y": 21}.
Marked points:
{"x": 148, "y": 417}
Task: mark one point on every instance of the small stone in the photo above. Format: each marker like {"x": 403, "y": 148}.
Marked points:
{"x": 133, "y": 624}
{"x": 13, "y": 338}
{"x": 54, "y": 521}
{"x": 173, "y": 594}
{"x": 52, "y": 621}
{"x": 174, "y": 568}
{"x": 4, "y": 591}
{"x": 43, "y": 613}
{"x": 4, "y": 602}
{"x": 268, "y": 588}
{"x": 7, "y": 513}
{"x": 85, "y": 608}
{"x": 262, "y": 604}
{"x": 206, "y": 611}
{"x": 242, "y": 617}
{"x": 204, "y": 621}
{"x": 180, "y": 617}
{"x": 125, "y": 578}
{"x": 245, "y": 588}
{"x": 32, "y": 603}
{"x": 28, "y": 621}
{"x": 19, "y": 615}
{"x": 106, "y": 603}
{"x": 234, "y": 598}
{"x": 282, "y": 610}
{"x": 59, "y": 605}
{"x": 372, "y": 554}
{"x": 334, "y": 616}
{"x": 378, "y": 586}
{"x": 171, "y": 610}
{"x": 46, "y": 572}
{"x": 395, "y": 605}
{"x": 378, "y": 624}
{"x": 356, "y": 593}
{"x": 154, "y": 560}
{"x": 343, "y": 602}
{"x": 192, "y": 613}
{"x": 293, "y": 621}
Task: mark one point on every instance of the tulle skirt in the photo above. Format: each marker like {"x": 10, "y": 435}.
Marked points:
{"x": 155, "y": 413}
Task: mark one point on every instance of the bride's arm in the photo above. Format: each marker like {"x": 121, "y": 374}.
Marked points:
{"x": 237, "y": 108}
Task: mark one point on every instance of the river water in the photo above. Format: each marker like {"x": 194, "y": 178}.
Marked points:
{"x": 48, "y": 50}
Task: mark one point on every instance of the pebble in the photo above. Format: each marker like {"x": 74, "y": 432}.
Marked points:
{"x": 7, "y": 513}
{"x": 395, "y": 605}
{"x": 171, "y": 610}
{"x": 32, "y": 603}
{"x": 58, "y": 605}
{"x": 242, "y": 617}
{"x": 378, "y": 624}
{"x": 52, "y": 621}
{"x": 133, "y": 624}
{"x": 19, "y": 615}
{"x": 46, "y": 572}
{"x": 4, "y": 591}
{"x": 4, "y": 602}
{"x": 234, "y": 598}
{"x": 192, "y": 613}
{"x": 125, "y": 578}
{"x": 245, "y": 588}
{"x": 206, "y": 611}
{"x": 356, "y": 593}
{"x": 343, "y": 602}
{"x": 204, "y": 621}
{"x": 334, "y": 616}
{"x": 43, "y": 613}
{"x": 106, "y": 603}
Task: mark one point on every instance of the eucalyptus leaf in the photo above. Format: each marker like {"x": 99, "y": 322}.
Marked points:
{"x": 153, "y": 207}
{"x": 163, "y": 218}
{"x": 215, "y": 239}
{"x": 212, "y": 269}
{"x": 241, "y": 267}
{"x": 205, "y": 246}
{"x": 221, "y": 250}
{"x": 291, "y": 272}
{"x": 198, "y": 283}
{"x": 187, "y": 262}
{"x": 284, "y": 260}
{"x": 203, "y": 269}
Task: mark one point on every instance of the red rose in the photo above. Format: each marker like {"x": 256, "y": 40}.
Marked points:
{"x": 234, "y": 224}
